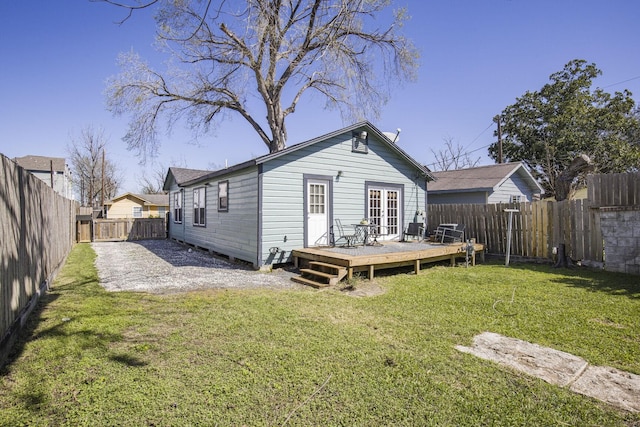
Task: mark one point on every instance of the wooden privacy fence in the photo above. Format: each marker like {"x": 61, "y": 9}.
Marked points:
{"x": 537, "y": 227}
{"x": 106, "y": 230}
{"x": 37, "y": 229}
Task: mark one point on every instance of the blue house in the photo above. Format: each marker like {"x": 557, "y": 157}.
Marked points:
{"x": 500, "y": 183}
{"x": 260, "y": 210}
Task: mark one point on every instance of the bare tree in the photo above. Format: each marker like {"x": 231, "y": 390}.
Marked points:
{"x": 95, "y": 175}
{"x": 453, "y": 157}
{"x": 152, "y": 182}
{"x": 257, "y": 58}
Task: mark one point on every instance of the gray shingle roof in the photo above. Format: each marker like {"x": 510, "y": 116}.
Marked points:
{"x": 41, "y": 163}
{"x": 182, "y": 175}
{"x": 155, "y": 199}
{"x": 149, "y": 199}
{"x": 480, "y": 178}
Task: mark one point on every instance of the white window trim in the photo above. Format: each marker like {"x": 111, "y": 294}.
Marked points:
{"x": 225, "y": 185}
{"x": 200, "y": 207}
{"x": 177, "y": 206}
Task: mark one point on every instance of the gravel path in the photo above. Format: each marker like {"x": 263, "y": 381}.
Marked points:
{"x": 162, "y": 266}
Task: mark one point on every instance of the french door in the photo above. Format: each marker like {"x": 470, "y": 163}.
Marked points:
{"x": 383, "y": 207}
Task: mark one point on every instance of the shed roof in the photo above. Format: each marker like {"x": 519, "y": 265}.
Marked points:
{"x": 482, "y": 178}
{"x": 267, "y": 157}
{"x": 41, "y": 163}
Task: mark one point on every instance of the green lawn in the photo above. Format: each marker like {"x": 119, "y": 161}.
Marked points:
{"x": 318, "y": 358}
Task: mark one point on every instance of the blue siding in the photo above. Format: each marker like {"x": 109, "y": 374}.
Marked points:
{"x": 234, "y": 232}
{"x": 266, "y": 201}
{"x": 513, "y": 186}
{"x": 283, "y": 188}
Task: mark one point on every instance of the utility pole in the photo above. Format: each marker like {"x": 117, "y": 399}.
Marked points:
{"x": 102, "y": 190}
{"x": 497, "y": 120}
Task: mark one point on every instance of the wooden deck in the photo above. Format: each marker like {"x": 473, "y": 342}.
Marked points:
{"x": 389, "y": 255}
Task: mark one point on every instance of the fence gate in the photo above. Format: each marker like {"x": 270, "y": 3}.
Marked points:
{"x": 109, "y": 230}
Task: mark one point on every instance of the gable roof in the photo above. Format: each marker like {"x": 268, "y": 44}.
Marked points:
{"x": 41, "y": 163}
{"x": 183, "y": 175}
{"x": 482, "y": 178}
{"x": 267, "y": 157}
{"x": 148, "y": 199}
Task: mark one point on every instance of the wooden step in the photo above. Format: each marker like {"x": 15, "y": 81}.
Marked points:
{"x": 309, "y": 282}
{"x": 321, "y": 274}
{"x": 340, "y": 271}
{"x": 326, "y": 265}
{"x": 318, "y": 273}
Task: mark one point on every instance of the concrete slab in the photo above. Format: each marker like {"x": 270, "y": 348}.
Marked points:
{"x": 615, "y": 387}
{"x": 553, "y": 366}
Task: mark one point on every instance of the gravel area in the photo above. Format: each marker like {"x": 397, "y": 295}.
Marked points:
{"x": 163, "y": 266}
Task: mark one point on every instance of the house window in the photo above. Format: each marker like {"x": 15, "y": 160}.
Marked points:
{"x": 199, "y": 203}
{"x": 162, "y": 211}
{"x": 360, "y": 142}
{"x": 223, "y": 196}
{"x": 515, "y": 199}
{"x": 177, "y": 207}
{"x": 137, "y": 211}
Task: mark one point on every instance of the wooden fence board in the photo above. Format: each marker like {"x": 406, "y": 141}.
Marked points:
{"x": 537, "y": 227}
{"x": 37, "y": 226}
{"x": 109, "y": 230}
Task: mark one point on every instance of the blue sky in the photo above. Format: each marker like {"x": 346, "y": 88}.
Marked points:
{"x": 477, "y": 56}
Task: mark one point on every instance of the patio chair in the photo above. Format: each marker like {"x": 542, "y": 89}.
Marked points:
{"x": 414, "y": 229}
{"x": 453, "y": 235}
{"x": 349, "y": 239}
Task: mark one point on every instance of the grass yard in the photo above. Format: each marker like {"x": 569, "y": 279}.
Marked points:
{"x": 318, "y": 358}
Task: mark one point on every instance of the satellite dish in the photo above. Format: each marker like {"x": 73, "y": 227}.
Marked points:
{"x": 393, "y": 136}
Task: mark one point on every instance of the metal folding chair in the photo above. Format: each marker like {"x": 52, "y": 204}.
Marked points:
{"x": 349, "y": 239}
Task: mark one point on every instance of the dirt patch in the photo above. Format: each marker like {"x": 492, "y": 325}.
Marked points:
{"x": 163, "y": 266}
{"x": 364, "y": 289}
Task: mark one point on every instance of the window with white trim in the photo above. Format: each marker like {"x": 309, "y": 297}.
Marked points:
{"x": 177, "y": 207}
{"x": 199, "y": 203}
{"x": 137, "y": 211}
{"x": 516, "y": 199}
{"x": 223, "y": 196}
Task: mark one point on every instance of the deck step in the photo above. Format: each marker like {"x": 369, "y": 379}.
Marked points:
{"x": 309, "y": 282}
{"x": 326, "y": 265}
{"x": 321, "y": 274}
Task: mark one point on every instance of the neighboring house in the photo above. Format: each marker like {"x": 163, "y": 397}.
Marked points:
{"x": 260, "y": 210}
{"x": 131, "y": 205}
{"x": 500, "y": 183}
{"x": 52, "y": 170}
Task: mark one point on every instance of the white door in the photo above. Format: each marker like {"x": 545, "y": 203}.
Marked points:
{"x": 384, "y": 210}
{"x": 317, "y": 214}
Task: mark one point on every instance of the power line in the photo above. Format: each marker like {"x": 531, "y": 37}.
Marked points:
{"x": 624, "y": 81}
{"x": 469, "y": 145}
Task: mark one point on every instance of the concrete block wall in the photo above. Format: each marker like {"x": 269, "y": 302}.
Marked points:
{"x": 621, "y": 234}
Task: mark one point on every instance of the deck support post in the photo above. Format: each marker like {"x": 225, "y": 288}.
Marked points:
{"x": 453, "y": 260}
{"x": 349, "y": 273}
{"x": 371, "y": 268}
{"x": 416, "y": 266}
